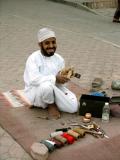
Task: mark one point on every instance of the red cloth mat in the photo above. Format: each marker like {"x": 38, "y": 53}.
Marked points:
{"x": 26, "y": 126}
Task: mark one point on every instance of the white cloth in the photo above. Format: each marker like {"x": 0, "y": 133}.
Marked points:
{"x": 44, "y": 34}
{"x": 40, "y": 83}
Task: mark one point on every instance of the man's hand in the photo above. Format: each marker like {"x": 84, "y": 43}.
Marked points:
{"x": 68, "y": 72}
{"x": 61, "y": 78}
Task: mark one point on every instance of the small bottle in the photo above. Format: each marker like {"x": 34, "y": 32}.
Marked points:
{"x": 106, "y": 113}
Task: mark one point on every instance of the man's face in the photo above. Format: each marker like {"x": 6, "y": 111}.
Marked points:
{"x": 48, "y": 47}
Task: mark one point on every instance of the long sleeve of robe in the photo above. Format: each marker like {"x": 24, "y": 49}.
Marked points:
{"x": 40, "y": 69}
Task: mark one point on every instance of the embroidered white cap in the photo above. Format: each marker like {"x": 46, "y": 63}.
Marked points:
{"x": 45, "y": 33}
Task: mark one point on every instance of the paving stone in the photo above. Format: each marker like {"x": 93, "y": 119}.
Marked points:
{"x": 1, "y": 131}
{"x": 6, "y": 141}
{"x": 16, "y": 151}
{"x": 4, "y": 156}
{"x": 3, "y": 149}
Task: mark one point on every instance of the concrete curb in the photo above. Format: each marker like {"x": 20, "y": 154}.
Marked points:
{"x": 76, "y": 5}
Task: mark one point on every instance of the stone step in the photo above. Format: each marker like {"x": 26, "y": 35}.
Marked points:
{"x": 95, "y": 4}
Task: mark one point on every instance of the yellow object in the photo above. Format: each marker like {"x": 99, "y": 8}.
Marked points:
{"x": 80, "y": 131}
{"x": 61, "y": 139}
{"x": 68, "y": 72}
{"x": 74, "y": 134}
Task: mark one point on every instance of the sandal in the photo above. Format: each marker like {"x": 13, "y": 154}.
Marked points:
{"x": 116, "y": 21}
{"x": 97, "y": 82}
{"x": 96, "y": 85}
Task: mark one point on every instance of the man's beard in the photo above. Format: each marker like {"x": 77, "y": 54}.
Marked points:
{"x": 45, "y": 53}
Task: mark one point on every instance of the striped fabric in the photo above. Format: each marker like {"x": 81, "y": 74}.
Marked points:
{"x": 14, "y": 98}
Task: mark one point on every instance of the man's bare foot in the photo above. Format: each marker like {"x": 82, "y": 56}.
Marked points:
{"x": 31, "y": 107}
{"x": 53, "y": 112}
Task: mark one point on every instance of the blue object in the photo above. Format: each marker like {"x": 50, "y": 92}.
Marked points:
{"x": 97, "y": 94}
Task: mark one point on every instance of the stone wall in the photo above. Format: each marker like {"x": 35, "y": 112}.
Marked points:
{"x": 94, "y": 4}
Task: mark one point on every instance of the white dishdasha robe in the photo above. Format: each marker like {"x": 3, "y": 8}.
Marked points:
{"x": 40, "y": 83}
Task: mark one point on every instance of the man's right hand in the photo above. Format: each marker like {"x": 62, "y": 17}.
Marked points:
{"x": 61, "y": 78}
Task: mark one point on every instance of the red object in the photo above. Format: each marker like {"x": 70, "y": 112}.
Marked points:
{"x": 69, "y": 138}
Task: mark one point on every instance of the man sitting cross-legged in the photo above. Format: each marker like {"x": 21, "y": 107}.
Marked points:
{"x": 44, "y": 83}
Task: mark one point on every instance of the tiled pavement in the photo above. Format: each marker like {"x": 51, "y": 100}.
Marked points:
{"x": 9, "y": 149}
